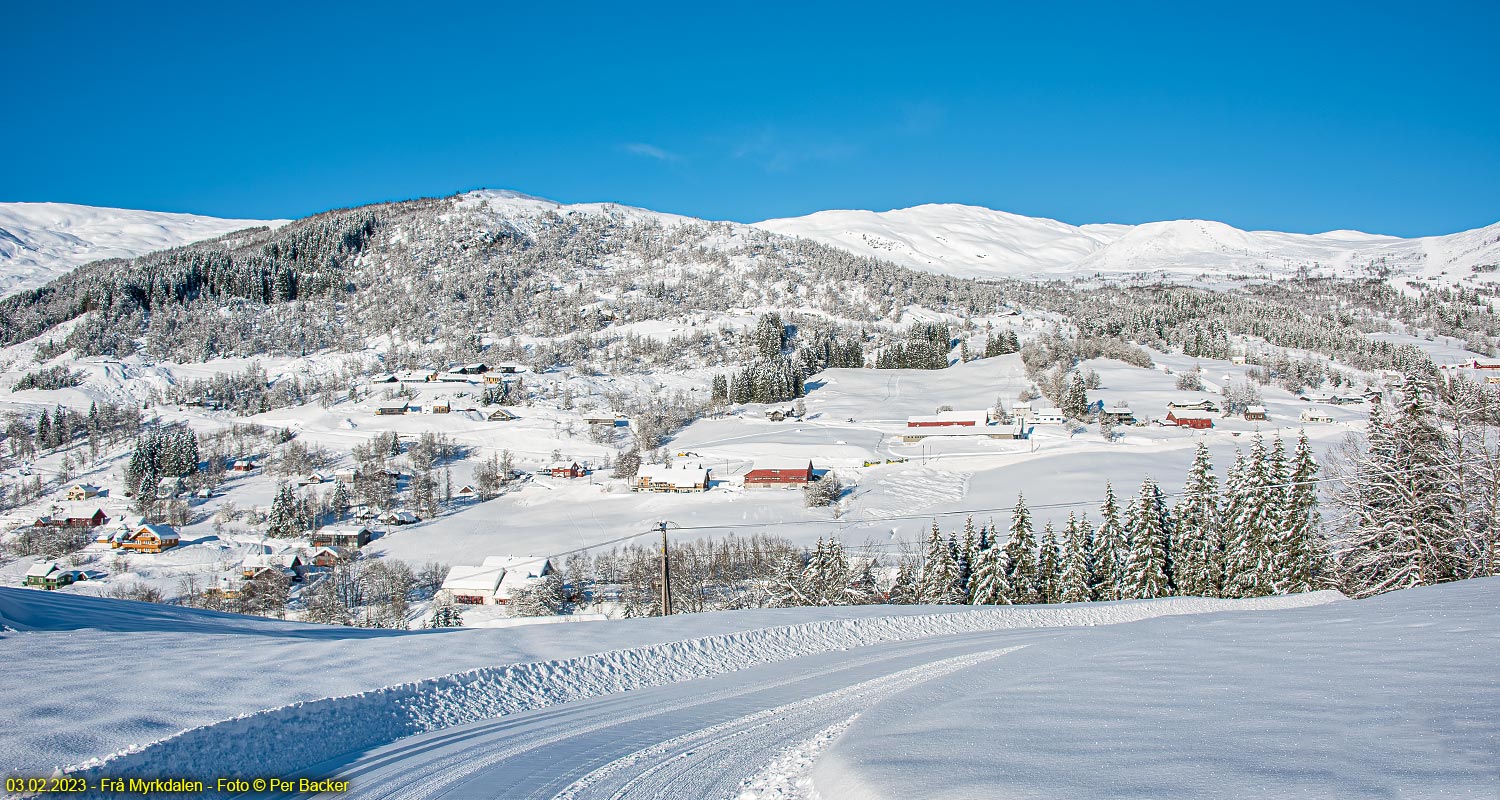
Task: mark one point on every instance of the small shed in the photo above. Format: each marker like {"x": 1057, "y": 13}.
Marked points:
{"x": 501, "y": 415}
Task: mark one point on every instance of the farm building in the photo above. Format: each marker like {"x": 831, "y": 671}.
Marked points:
{"x": 603, "y": 418}
{"x": 943, "y": 419}
{"x": 570, "y": 469}
{"x": 390, "y": 409}
{"x": 149, "y": 538}
{"x": 657, "y": 478}
{"x": 1190, "y": 418}
{"x": 341, "y": 536}
{"x": 82, "y": 491}
{"x": 784, "y": 475}
{"x": 78, "y": 520}
{"x": 496, "y": 580}
{"x": 1316, "y": 415}
{"x": 501, "y": 415}
{"x": 1256, "y": 413}
{"x": 242, "y": 465}
{"x": 1047, "y": 416}
{"x": 1013, "y": 430}
{"x": 399, "y": 517}
{"x": 1202, "y": 404}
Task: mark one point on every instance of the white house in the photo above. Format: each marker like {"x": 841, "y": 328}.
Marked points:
{"x": 1047, "y": 416}
{"x": 496, "y": 580}
{"x": 1316, "y": 415}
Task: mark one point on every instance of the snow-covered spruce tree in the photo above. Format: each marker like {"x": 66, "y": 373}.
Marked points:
{"x": 445, "y": 613}
{"x": 968, "y": 552}
{"x": 1021, "y": 556}
{"x": 789, "y": 588}
{"x": 541, "y": 598}
{"x": 835, "y": 587}
{"x": 939, "y": 580}
{"x": 988, "y": 584}
{"x": 1110, "y": 550}
{"x": 1073, "y": 572}
{"x": 1305, "y": 566}
{"x": 1402, "y": 526}
{"x": 1249, "y": 565}
{"x": 284, "y": 521}
{"x": 1147, "y": 533}
{"x": 1075, "y": 398}
{"x": 823, "y": 492}
{"x": 1197, "y": 548}
{"x": 904, "y": 589}
{"x": 1049, "y": 566}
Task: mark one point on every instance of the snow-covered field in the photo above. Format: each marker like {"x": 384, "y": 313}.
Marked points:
{"x": 1296, "y": 696}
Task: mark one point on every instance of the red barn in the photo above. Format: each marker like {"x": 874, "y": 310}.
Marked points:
{"x": 950, "y": 419}
{"x": 788, "y": 476}
{"x": 1182, "y": 418}
{"x": 569, "y": 470}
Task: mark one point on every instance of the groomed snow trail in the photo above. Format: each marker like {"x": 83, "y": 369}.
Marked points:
{"x": 697, "y": 739}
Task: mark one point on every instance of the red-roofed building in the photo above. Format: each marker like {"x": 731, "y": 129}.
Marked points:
{"x": 788, "y": 476}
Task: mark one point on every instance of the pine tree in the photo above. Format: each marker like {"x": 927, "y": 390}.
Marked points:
{"x": 1305, "y": 567}
{"x": 1147, "y": 532}
{"x": 1073, "y": 573}
{"x": 1021, "y": 556}
{"x": 1249, "y": 568}
{"x": 1197, "y": 549}
{"x": 283, "y": 521}
{"x": 1049, "y": 567}
{"x": 904, "y": 590}
{"x": 1109, "y": 550}
{"x": 445, "y": 613}
{"x": 939, "y": 580}
{"x": 789, "y": 588}
{"x": 989, "y": 586}
{"x": 968, "y": 551}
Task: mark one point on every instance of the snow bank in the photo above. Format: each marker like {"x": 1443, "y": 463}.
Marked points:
{"x": 1389, "y": 697}
{"x": 294, "y": 737}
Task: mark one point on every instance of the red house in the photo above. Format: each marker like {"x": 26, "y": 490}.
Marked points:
{"x": 93, "y": 521}
{"x": 570, "y": 470}
{"x": 1183, "y": 418}
{"x": 788, "y": 476}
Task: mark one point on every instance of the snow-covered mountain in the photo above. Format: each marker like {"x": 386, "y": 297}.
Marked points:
{"x": 39, "y": 241}
{"x": 970, "y": 241}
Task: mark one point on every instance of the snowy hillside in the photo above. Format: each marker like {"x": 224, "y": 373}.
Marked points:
{"x": 39, "y": 241}
{"x": 975, "y": 242}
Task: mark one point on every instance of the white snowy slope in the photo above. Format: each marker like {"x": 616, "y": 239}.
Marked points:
{"x": 39, "y": 241}
{"x": 1395, "y": 696}
{"x": 974, "y": 242}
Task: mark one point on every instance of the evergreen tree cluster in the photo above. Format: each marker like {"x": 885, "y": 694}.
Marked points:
{"x": 1259, "y": 535}
{"x": 166, "y": 452}
{"x": 925, "y": 346}
{"x": 824, "y": 576}
{"x": 1002, "y": 344}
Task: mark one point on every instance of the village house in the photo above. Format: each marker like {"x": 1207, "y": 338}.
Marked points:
{"x": 168, "y": 488}
{"x": 658, "y": 478}
{"x": 399, "y": 517}
{"x": 776, "y": 415}
{"x": 1316, "y": 415}
{"x": 520, "y": 573}
{"x": 1117, "y": 413}
{"x": 149, "y": 538}
{"x": 242, "y": 465}
{"x": 466, "y": 492}
{"x": 354, "y": 536}
{"x": 571, "y": 469}
{"x": 780, "y": 475}
{"x": 1255, "y": 413}
{"x": 48, "y": 575}
{"x": 417, "y": 375}
{"x": 328, "y": 556}
{"x": 501, "y": 415}
{"x": 392, "y": 409}
{"x": 82, "y": 491}
{"x": 77, "y": 520}
{"x": 603, "y": 418}
{"x": 261, "y": 564}
{"x": 1190, "y": 418}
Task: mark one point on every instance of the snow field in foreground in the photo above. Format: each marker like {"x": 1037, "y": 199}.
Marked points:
{"x": 292, "y": 737}
{"x": 1395, "y": 696}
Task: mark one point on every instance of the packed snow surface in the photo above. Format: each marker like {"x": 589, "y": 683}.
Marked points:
{"x": 1396, "y": 696}
{"x": 39, "y": 241}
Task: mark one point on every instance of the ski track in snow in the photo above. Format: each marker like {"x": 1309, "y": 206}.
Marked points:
{"x": 910, "y": 492}
{"x": 786, "y": 777}
{"x": 326, "y": 729}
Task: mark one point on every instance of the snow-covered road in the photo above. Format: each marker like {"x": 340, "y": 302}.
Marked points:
{"x": 696, "y": 739}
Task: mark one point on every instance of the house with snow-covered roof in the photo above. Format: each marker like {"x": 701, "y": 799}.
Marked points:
{"x": 780, "y": 473}
{"x": 676, "y": 478}
{"x": 149, "y": 538}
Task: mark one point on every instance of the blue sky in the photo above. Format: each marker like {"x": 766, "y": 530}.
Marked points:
{"x": 1298, "y": 116}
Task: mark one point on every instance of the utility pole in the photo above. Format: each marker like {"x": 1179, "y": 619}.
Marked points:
{"x": 666, "y": 574}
